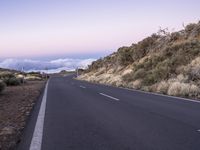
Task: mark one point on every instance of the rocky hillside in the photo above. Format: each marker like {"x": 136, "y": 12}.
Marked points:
{"x": 165, "y": 62}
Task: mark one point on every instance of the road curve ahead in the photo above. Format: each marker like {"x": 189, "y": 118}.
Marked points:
{"x": 86, "y": 116}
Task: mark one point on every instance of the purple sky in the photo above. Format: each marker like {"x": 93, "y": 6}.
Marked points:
{"x": 85, "y": 28}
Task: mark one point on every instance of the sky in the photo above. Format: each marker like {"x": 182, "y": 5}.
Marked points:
{"x": 48, "y": 30}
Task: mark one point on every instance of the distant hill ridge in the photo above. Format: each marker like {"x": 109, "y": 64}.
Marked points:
{"x": 167, "y": 63}
{"x": 9, "y": 70}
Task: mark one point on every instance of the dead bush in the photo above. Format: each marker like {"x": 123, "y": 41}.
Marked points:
{"x": 124, "y": 56}
{"x": 183, "y": 89}
{"x": 163, "y": 87}
{"x": 137, "y": 84}
{"x": 139, "y": 74}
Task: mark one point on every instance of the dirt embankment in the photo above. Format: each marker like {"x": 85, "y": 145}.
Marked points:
{"x": 16, "y": 103}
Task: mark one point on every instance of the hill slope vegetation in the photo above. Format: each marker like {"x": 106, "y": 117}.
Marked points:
{"x": 167, "y": 63}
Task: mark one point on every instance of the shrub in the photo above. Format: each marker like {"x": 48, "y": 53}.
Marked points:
{"x": 194, "y": 73}
{"x": 139, "y": 74}
{"x": 179, "y": 89}
{"x": 147, "y": 43}
{"x": 193, "y": 69}
{"x": 2, "y": 86}
{"x": 149, "y": 79}
{"x": 13, "y": 81}
{"x": 95, "y": 65}
{"x": 190, "y": 27}
{"x": 181, "y": 78}
{"x": 194, "y": 90}
{"x": 128, "y": 77}
{"x": 163, "y": 87}
{"x": 161, "y": 72}
{"x": 124, "y": 56}
{"x": 137, "y": 84}
{"x": 183, "y": 89}
{"x": 6, "y": 74}
{"x": 149, "y": 63}
{"x": 8, "y": 78}
{"x": 175, "y": 36}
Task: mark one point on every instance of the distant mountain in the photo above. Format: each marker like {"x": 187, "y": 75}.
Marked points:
{"x": 8, "y": 70}
{"x": 165, "y": 62}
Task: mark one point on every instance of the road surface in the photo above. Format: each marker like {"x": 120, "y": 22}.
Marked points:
{"x": 76, "y": 115}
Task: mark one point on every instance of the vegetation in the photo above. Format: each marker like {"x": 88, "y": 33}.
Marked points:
{"x": 15, "y": 78}
{"x": 2, "y": 86}
{"x": 165, "y": 62}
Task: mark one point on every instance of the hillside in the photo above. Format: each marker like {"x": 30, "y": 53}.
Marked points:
{"x": 167, "y": 63}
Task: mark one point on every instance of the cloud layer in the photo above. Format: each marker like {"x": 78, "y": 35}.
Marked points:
{"x": 52, "y": 66}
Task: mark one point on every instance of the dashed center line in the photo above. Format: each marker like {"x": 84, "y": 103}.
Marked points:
{"x": 109, "y": 96}
{"x": 82, "y": 87}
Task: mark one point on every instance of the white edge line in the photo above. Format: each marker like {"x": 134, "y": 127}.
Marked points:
{"x": 36, "y": 141}
{"x": 109, "y": 96}
{"x": 152, "y": 93}
{"x": 157, "y": 94}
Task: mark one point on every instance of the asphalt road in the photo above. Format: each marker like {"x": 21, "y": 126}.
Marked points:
{"x": 85, "y": 116}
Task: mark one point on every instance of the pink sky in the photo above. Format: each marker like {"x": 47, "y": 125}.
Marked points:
{"x": 47, "y": 28}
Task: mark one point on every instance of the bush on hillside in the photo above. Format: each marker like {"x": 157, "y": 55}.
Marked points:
{"x": 128, "y": 77}
{"x": 190, "y": 27}
{"x": 9, "y": 78}
{"x": 6, "y": 74}
{"x": 164, "y": 62}
{"x": 95, "y": 65}
{"x": 194, "y": 73}
{"x": 175, "y": 36}
{"x": 149, "y": 79}
{"x": 2, "y": 86}
{"x": 142, "y": 48}
{"x": 124, "y": 56}
{"x": 13, "y": 81}
{"x": 140, "y": 73}
{"x": 162, "y": 87}
{"x": 183, "y": 89}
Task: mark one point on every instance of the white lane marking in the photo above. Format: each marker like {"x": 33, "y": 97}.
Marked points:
{"x": 198, "y": 130}
{"x": 36, "y": 141}
{"x": 157, "y": 94}
{"x": 82, "y": 87}
{"x": 109, "y": 96}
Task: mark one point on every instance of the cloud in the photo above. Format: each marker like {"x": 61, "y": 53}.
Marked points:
{"x": 52, "y": 66}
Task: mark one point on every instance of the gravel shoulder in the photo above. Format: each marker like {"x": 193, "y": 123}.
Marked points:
{"x": 16, "y": 103}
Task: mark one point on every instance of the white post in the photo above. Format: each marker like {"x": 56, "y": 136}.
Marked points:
{"x": 23, "y": 75}
{"x": 47, "y": 73}
{"x": 77, "y": 72}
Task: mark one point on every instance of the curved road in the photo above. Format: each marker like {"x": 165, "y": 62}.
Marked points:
{"x": 86, "y": 116}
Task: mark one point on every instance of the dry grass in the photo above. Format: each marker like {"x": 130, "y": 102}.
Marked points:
{"x": 137, "y": 84}
{"x": 165, "y": 63}
{"x": 183, "y": 89}
{"x": 162, "y": 87}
